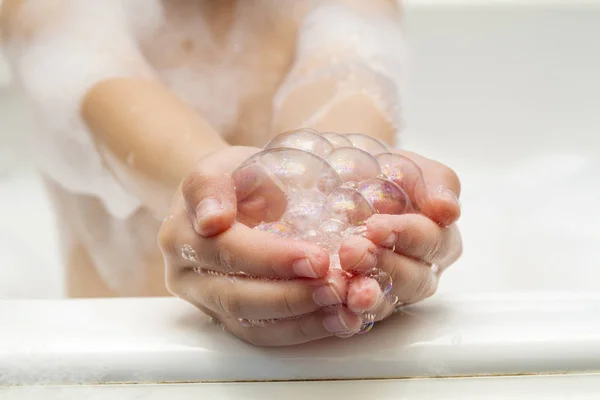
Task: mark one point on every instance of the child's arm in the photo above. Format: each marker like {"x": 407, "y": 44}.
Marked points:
{"x": 348, "y": 73}
{"x": 99, "y": 103}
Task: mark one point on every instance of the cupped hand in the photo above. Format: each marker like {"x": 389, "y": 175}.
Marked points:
{"x": 413, "y": 249}
{"x": 241, "y": 276}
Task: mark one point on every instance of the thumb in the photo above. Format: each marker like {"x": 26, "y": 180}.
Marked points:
{"x": 431, "y": 186}
{"x": 209, "y": 192}
{"x": 439, "y": 193}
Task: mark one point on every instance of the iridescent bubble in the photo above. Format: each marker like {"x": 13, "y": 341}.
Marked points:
{"x": 404, "y": 172}
{"x": 305, "y": 196}
{"x": 355, "y": 231}
{"x": 278, "y": 228}
{"x": 302, "y": 139}
{"x": 337, "y": 140}
{"x": 265, "y": 182}
{"x": 349, "y": 206}
{"x": 330, "y": 235}
{"x": 367, "y": 324}
{"x": 300, "y": 170}
{"x": 367, "y": 143}
{"x": 353, "y": 165}
{"x": 304, "y": 216}
{"x": 382, "y": 278}
{"x": 333, "y": 227}
{"x": 385, "y": 196}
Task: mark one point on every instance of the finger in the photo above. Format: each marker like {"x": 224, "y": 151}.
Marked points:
{"x": 364, "y": 294}
{"x": 209, "y": 193}
{"x": 288, "y": 332}
{"x": 416, "y": 236}
{"x": 359, "y": 255}
{"x": 241, "y": 249}
{"x": 257, "y": 299}
{"x": 261, "y": 197}
{"x": 438, "y": 198}
{"x": 411, "y": 280}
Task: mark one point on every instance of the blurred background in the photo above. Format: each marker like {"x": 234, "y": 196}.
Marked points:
{"x": 505, "y": 92}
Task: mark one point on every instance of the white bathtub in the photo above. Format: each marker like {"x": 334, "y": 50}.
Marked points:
{"x": 507, "y": 93}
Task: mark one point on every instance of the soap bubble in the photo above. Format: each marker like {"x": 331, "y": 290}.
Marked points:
{"x": 267, "y": 181}
{"x": 385, "y": 196}
{"x": 367, "y": 143}
{"x": 404, "y": 172}
{"x": 302, "y": 139}
{"x": 337, "y": 140}
{"x": 382, "y": 278}
{"x": 278, "y": 228}
{"x": 367, "y": 323}
{"x": 353, "y": 165}
{"x": 304, "y": 216}
{"x": 349, "y": 206}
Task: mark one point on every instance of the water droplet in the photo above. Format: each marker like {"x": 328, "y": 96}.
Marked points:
{"x": 188, "y": 253}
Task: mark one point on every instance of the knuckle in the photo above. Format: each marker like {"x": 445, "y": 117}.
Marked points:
{"x": 436, "y": 248}
{"x": 288, "y": 302}
{"x": 166, "y": 238}
{"x": 225, "y": 260}
{"x": 426, "y": 286}
{"x": 227, "y": 304}
{"x": 193, "y": 184}
{"x": 452, "y": 178}
{"x": 172, "y": 281}
{"x": 305, "y": 334}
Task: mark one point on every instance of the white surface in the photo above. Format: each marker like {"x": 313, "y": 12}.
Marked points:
{"x": 166, "y": 340}
{"x": 509, "y": 97}
{"x": 563, "y": 387}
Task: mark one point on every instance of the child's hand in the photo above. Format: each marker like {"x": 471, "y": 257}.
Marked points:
{"x": 203, "y": 245}
{"x": 414, "y": 249}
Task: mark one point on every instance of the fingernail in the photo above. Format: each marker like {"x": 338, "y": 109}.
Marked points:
{"x": 326, "y": 296}
{"x": 390, "y": 240}
{"x": 304, "y": 268}
{"x": 441, "y": 192}
{"x": 206, "y": 210}
{"x": 450, "y": 195}
{"x": 335, "y": 323}
{"x": 369, "y": 261}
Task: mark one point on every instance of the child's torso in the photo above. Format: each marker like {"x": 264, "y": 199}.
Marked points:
{"x": 225, "y": 58}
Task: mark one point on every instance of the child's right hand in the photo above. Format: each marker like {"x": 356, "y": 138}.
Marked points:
{"x": 203, "y": 245}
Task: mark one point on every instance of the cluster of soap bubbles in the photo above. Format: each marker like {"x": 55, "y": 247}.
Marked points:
{"x": 322, "y": 187}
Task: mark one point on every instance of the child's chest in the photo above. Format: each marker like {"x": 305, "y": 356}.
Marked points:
{"x": 226, "y": 59}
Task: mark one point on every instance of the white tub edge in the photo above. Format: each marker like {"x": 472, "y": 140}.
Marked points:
{"x": 165, "y": 340}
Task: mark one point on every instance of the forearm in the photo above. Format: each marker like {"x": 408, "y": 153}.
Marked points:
{"x": 100, "y": 105}
{"x": 148, "y": 138}
{"x": 347, "y": 78}
{"x": 311, "y": 107}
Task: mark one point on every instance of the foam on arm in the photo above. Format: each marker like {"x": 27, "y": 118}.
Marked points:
{"x": 349, "y": 71}
{"x": 108, "y": 127}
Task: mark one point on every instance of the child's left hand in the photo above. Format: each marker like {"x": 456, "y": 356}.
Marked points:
{"x": 414, "y": 249}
